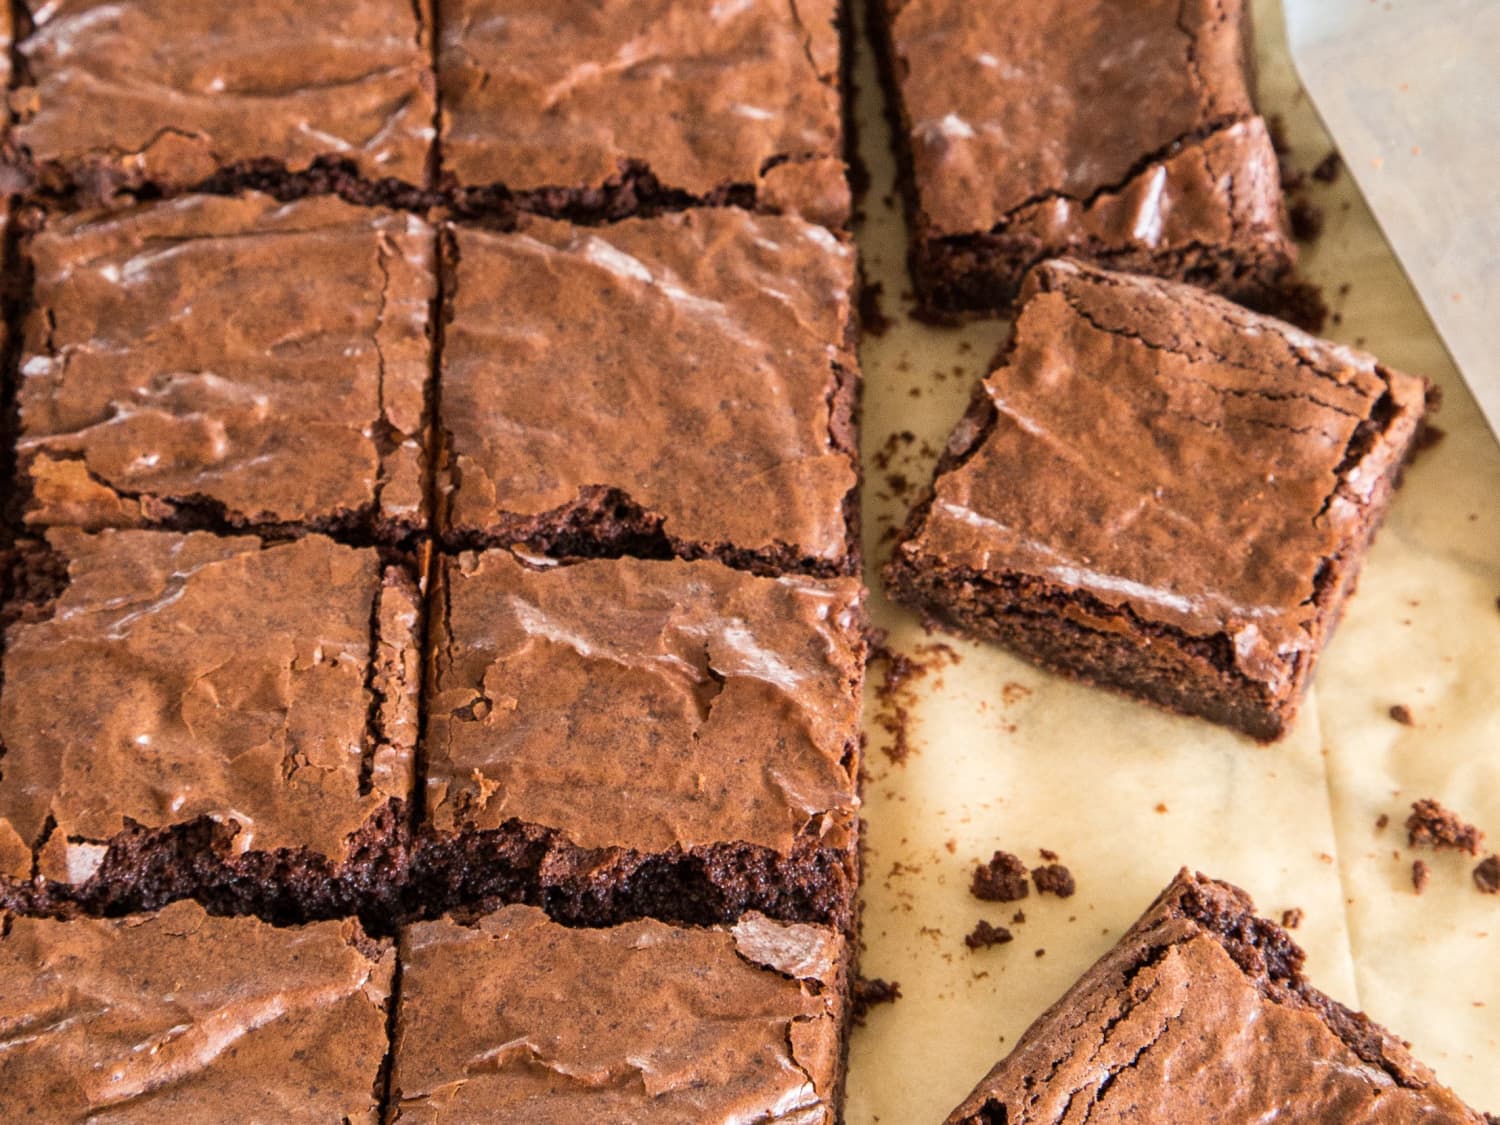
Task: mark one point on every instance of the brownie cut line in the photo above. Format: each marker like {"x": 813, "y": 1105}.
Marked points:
{"x": 683, "y": 386}
{"x": 1202, "y": 1012}
{"x": 149, "y": 97}
{"x": 597, "y": 110}
{"x": 230, "y": 364}
{"x": 1118, "y": 131}
{"x": 240, "y": 725}
{"x": 623, "y": 738}
{"x": 640, "y": 1022}
{"x": 179, "y": 1016}
{"x": 1159, "y": 492}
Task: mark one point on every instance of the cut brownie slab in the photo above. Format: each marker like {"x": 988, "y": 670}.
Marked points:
{"x": 620, "y": 738}
{"x": 597, "y": 110}
{"x": 120, "y": 95}
{"x": 230, "y": 363}
{"x": 516, "y": 1018}
{"x": 1116, "y": 130}
{"x": 1201, "y": 1013}
{"x": 178, "y": 1016}
{"x": 1162, "y": 493}
{"x": 192, "y": 715}
{"x": 683, "y": 385}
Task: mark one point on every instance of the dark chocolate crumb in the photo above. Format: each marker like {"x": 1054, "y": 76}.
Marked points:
{"x": 1436, "y": 827}
{"x": 872, "y": 318}
{"x": 1420, "y": 873}
{"x": 1041, "y": 953}
{"x": 985, "y": 935}
{"x": 1487, "y": 875}
{"x": 1018, "y": 918}
{"x": 868, "y": 992}
{"x": 1049, "y": 855}
{"x": 1291, "y": 919}
{"x": 1326, "y": 171}
{"x": 1307, "y": 220}
{"x": 1402, "y": 714}
{"x": 1002, "y": 879}
{"x": 1054, "y": 879}
{"x": 1381, "y": 822}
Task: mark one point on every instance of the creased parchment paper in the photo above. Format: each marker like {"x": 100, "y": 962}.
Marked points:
{"x": 1005, "y": 756}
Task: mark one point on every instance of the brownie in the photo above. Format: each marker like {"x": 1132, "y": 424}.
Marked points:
{"x": 1162, "y": 493}
{"x": 230, "y": 364}
{"x": 179, "y": 1016}
{"x": 1120, "y": 131}
{"x": 161, "y": 95}
{"x": 622, "y": 738}
{"x": 677, "y": 386}
{"x": 217, "y": 717}
{"x": 601, "y": 109}
{"x": 516, "y": 1018}
{"x": 1202, "y": 1013}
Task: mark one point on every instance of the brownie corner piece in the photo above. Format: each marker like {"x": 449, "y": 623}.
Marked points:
{"x": 1199, "y": 994}
{"x": 623, "y": 737}
{"x": 748, "y": 1029}
{"x": 998, "y": 177}
{"x": 610, "y": 110}
{"x": 242, "y": 722}
{"x": 183, "y": 1016}
{"x": 1163, "y": 493}
{"x": 231, "y": 364}
{"x": 681, "y": 386}
{"x": 131, "y": 96}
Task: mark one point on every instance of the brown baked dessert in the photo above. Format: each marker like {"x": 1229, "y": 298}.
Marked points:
{"x": 1201, "y": 1013}
{"x": 1159, "y": 492}
{"x": 1119, "y": 131}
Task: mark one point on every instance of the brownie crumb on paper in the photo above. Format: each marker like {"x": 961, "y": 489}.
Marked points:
{"x": 1002, "y": 879}
{"x": 1054, "y": 879}
{"x": 1431, "y": 825}
{"x": 985, "y": 935}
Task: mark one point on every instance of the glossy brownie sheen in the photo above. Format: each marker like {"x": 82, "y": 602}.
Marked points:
{"x": 1120, "y": 130}
{"x": 620, "y": 728}
{"x": 516, "y": 1018}
{"x": 681, "y": 385}
{"x": 1161, "y": 492}
{"x": 223, "y": 699}
{"x": 179, "y": 1016}
{"x": 614, "y": 106}
{"x": 1201, "y": 1013}
{"x": 167, "y": 93}
{"x": 229, "y": 363}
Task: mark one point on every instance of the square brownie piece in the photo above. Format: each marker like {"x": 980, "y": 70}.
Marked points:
{"x": 677, "y": 386}
{"x": 1119, "y": 131}
{"x": 597, "y": 110}
{"x": 121, "y": 95}
{"x": 230, "y": 364}
{"x": 516, "y": 1018}
{"x": 1202, "y": 1012}
{"x": 1160, "y": 492}
{"x": 179, "y": 1016}
{"x": 238, "y": 722}
{"x": 623, "y": 737}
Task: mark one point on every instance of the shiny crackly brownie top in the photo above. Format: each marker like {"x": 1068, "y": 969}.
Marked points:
{"x": 645, "y": 704}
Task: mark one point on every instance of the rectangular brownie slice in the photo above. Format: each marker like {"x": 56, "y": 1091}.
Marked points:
{"x": 117, "y": 96}
{"x": 1202, "y": 1013}
{"x": 217, "y": 717}
{"x": 1160, "y": 492}
{"x": 619, "y": 738}
{"x": 1120, "y": 131}
{"x": 179, "y": 1016}
{"x": 516, "y": 1018}
{"x": 230, "y": 364}
{"x": 677, "y": 386}
{"x": 595, "y": 110}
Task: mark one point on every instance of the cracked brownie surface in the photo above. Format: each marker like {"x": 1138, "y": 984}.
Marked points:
{"x": 514, "y": 1017}
{"x": 1160, "y": 491}
{"x": 179, "y": 368}
{"x": 1201, "y": 1013}
{"x": 621, "y": 736}
{"x": 603, "y": 109}
{"x": 1118, "y": 130}
{"x": 162, "y": 94}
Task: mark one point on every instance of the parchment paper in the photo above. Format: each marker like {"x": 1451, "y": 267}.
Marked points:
{"x": 1005, "y": 756}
